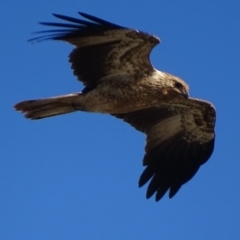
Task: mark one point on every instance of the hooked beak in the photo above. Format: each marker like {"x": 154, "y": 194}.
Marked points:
{"x": 185, "y": 94}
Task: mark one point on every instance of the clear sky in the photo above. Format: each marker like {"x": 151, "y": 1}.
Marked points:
{"x": 76, "y": 176}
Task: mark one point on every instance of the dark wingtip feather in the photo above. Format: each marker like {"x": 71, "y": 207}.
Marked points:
{"x": 74, "y": 20}
{"x": 64, "y": 25}
{"x": 149, "y": 194}
{"x": 161, "y": 192}
{"x": 152, "y": 187}
{"x": 74, "y": 26}
{"x": 146, "y": 176}
{"x": 174, "y": 189}
{"x": 99, "y": 20}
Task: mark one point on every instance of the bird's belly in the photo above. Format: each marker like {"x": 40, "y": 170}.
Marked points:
{"x": 120, "y": 100}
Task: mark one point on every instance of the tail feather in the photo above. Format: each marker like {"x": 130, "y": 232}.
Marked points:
{"x": 48, "y": 107}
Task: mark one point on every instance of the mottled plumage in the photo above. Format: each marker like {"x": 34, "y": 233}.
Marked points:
{"x": 113, "y": 63}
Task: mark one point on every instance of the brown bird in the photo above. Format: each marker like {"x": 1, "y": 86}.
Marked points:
{"x": 113, "y": 63}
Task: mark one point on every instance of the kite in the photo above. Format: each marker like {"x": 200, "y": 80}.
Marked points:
{"x": 113, "y": 64}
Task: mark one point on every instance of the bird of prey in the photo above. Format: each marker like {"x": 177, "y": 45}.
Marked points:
{"x": 113, "y": 64}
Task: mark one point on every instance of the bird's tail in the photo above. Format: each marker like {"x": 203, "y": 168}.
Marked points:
{"x": 48, "y": 107}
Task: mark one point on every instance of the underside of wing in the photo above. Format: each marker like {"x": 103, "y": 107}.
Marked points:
{"x": 180, "y": 138}
{"x": 102, "y": 48}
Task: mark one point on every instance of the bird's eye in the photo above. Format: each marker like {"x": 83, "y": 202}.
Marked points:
{"x": 178, "y": 85}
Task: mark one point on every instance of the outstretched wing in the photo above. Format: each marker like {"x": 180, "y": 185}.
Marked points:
{"x": 102, "y": 48}
{"x": 180, "y": 138}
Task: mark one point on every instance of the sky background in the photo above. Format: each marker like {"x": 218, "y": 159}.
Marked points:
{"x": 76, "y": 176}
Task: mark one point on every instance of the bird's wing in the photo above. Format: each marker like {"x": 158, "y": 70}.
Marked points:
{"x": 180, "y": 138}
{"x": 102, "y": 48}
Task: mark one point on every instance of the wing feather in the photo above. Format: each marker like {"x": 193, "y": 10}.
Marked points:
{"x": 102, "y": 48}
{"x": 180, "y": 138}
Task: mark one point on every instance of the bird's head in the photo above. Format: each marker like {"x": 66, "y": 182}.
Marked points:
{"x": 180, "y": 86}
{"x": 176, "y": 87}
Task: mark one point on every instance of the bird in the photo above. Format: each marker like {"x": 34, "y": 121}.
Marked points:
{"x": 113, "y": 64}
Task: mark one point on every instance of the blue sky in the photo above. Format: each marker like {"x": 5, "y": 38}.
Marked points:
{"x": 75, "y": 176}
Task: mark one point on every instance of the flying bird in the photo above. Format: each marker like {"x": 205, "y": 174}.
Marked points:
{"x": 113, "y": 64}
